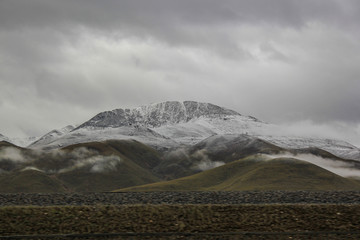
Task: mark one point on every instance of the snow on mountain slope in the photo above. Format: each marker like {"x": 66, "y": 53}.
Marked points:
{"x": 3, "y": 138}
{"x": 52, "y": 136}
{"x": 156, "y": 115}
{"x": 172, "y": 124}
{"x": 197, "y": 129}
{"x": 337, "y": 147}
{"x": 162, "y": 125}
{"x": 21, "y": 142}
{"x": 141, "y": 134}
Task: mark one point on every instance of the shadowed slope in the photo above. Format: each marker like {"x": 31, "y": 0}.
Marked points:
{"x": 30, "y": 181}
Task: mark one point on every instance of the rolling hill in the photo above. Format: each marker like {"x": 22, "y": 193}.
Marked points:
{"x": 257, "y": 173}
{"x": 30, "y": 181}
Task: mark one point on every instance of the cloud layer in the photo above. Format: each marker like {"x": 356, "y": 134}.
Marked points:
{"x": 58, "y": 161}
{"x": 342, "y": 168}
{"x": 61, "y": 62}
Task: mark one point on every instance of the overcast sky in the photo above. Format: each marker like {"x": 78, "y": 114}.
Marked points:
{"x": 291, "y": 62}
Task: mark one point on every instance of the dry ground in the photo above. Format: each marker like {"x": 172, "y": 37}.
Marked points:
{"x": 260, "y": 221}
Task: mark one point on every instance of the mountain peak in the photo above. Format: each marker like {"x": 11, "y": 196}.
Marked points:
{"x": 158, "y": 114}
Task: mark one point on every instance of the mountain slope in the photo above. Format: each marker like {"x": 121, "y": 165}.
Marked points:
{"x": 51, "y": 136}
{"x": 337, "y": 147}
{"x": 211, "y": 152}
{"x": 257, "y": 173}
{"x": 18, "y": 141}
{"x": 156, "y": 115}
{"x": 84, "y": 135}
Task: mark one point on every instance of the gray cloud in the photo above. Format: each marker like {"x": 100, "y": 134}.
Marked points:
{"x": 204, "y": 162}
{"x": 151, "y": 15}
{"x": 63, "y": 61}
{"x": 48, "y": 161}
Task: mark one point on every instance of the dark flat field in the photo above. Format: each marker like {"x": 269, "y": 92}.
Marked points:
{"x": 186, "y": 215}
{"x": 250, "y": 197}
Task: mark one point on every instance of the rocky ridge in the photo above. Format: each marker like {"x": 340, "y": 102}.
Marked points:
{"x": 156, "y": 115}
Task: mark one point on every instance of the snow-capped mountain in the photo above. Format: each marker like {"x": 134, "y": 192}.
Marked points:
{"x": 51, "y": 136}
{"x": 156, "y": 115}
{"x": 162, "y": 125}
{"x": 21, "y": 142}
{"x": 172, "y": 124}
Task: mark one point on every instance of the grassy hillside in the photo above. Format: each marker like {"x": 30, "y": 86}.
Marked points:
{"x": 255, "y": 173}
{"x": 139, "y": 153}
{"x": 134, "y": 167}
{"x": 30, "y": 181}
{"x": 127, "y": 173}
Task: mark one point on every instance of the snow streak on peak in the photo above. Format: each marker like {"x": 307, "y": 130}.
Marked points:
{"x": 156, "y": 115}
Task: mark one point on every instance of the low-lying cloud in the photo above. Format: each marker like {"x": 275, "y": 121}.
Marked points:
{"x": 205, "y": 163}
{"x": 341, "y": 168}
{"x": 57, "y": 161}
{"x": 97, "y": 164}
{"x": 12, "y": 154}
